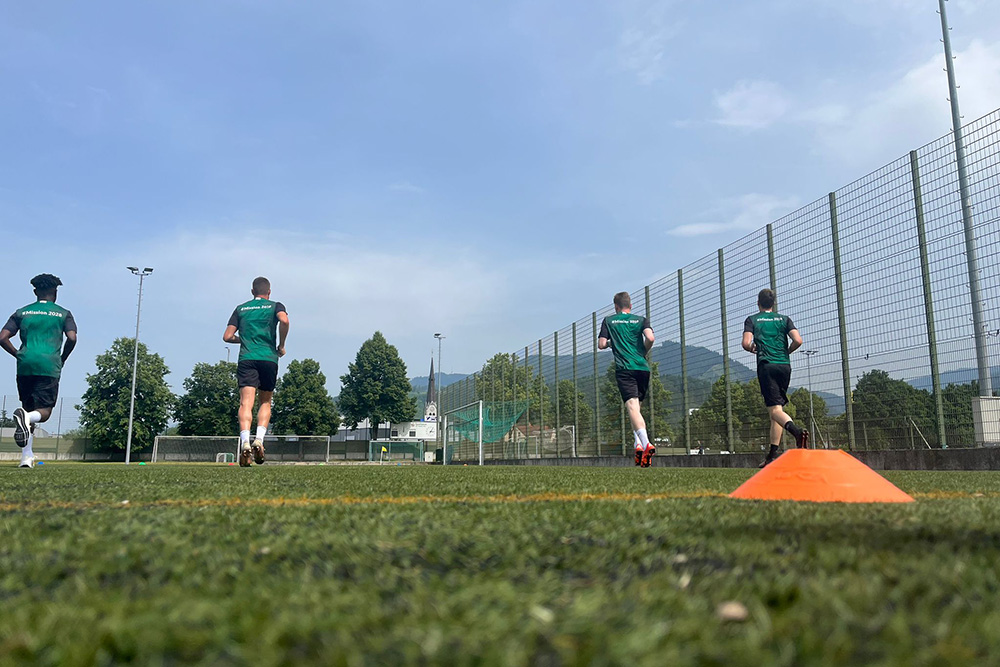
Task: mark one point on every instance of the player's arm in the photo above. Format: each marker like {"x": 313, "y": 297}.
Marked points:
{"x": 68, "y": 345}
{"x": 604, "y": 338}
{"x": 796, "y": 340}
{"x": 7, "y": 333}
{"x": 5, "y": 343}
{"x": 648, "y": 337}
{"x": 748, "y": 343}
{"x": 229, "y": 335}
{"x": 69, "y": 329}
{"x": 282, "y": 332}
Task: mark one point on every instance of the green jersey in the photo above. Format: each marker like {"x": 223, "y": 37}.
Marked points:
{"x": 257, "y": 322}
{"x": 770, "y": 334}
{"x": 41, "y": 326}
{"x": 624, "y": 330}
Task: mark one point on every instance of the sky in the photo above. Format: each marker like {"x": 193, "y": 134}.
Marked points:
{"x": 491, "y": 171}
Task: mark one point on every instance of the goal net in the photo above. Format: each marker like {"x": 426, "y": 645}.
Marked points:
{"x": 207, "y": 448}
{"x": 393, "y": 450}
{"x": 482, "y": 430}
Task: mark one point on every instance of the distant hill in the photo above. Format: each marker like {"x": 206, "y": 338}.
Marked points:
{"x": 702, "y": 363}
{"x": 443, "y": 379}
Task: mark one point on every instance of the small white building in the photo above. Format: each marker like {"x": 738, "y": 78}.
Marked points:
{"x": 424, "y": 430}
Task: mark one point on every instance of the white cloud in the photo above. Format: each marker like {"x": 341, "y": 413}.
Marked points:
{"x": 911, "y": 110}
{"x": 406, "y": 186}
{"x": 747, "y": 213}
{"x": 642, "y": 45}
{"x": 752, "y": 104}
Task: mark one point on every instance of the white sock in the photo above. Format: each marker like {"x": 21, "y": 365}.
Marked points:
{"x": 26, "y": 450}
{"x": 245, "y": 437}
{"x": 261, "y": 432}
{"x": 34, "y": 416}
{"x": 638, "y": 443}
{"x": 643, "y": 438}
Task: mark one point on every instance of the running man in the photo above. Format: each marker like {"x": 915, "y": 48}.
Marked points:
{"x": 257, "y": 321}
{"x": 41, "y": 326}
{"x": 630, "y": 338}
{"x": 766, "y": 334}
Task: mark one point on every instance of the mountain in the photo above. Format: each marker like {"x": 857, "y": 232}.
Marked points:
{"x": 702, "y": 363}
{"x": 419, "y": 383}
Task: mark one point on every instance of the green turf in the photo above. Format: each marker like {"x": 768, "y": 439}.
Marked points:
{"x": 85, "y": 579}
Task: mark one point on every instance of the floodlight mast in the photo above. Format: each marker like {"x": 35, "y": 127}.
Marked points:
{"x": 135, "y": 360}
{"x": 971, "y": 260}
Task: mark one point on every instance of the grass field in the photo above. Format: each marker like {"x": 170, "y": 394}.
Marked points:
{"x": 487, "y": 566}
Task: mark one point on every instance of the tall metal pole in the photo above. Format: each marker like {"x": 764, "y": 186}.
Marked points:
{"x": 652, "y": 383}
{"x": 971, "y": 260}
{"x": 809, "y": 378}
{"x": 845, "y": 366}
{"x": 555, "y": 422}
{"x": 135, "y": 363}
{"x": 772, "y": 272}
{"x": 576, "y": 396}
{"x": 597, "y": 388}
{"x": 684, "y": 373}
{"x": 725, "y": 351}
{"x": 925, "y": 275}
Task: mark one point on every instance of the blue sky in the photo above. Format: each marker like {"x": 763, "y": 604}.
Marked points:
{"x": 489, "y": 170}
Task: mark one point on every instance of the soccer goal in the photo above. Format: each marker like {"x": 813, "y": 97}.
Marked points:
{"x": 207, "y": 448}
{"x": 480, "y": 430}
{"x": 395, "y": 450}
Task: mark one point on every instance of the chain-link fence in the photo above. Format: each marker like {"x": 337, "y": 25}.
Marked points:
{"x": 875, "y": 277}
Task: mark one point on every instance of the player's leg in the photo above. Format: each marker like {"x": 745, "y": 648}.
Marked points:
{"x": 247, "y": 397}
{"x": 629, "y": 388}
{"x": 267, "y": 371}
{"x": 642, "y": 384}
{"x": 38, "y": 396}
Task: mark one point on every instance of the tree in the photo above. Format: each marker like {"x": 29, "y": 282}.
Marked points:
{"x": 209, "y": 406}
{"x": 567, "y": 411}
{"x": 886, "y": 409}
{"x": 6, "y": 421}
{"x": 959, "y": 423}
{"x": 376, "y": 387}
{"x": 302, "y": 405}
{"x": 105, "y": 407}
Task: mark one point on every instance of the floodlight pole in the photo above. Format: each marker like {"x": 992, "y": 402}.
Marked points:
{"x": 135, "y": 360}
{"x": 438, "y": 404}
{"x": 481, "y": 432}
{"x": 971, "y": 260}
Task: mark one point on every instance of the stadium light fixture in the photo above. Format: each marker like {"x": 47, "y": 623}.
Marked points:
{"x": 135, "y": 360}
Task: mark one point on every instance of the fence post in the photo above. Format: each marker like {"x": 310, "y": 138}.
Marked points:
{"x": 597, "y": 388}
{"x": 555, "y": 421}
{"x": 684, "y": 362}
{"x": 925, "y": 274}
{"x": 62, "y": 403}
{"x": 772, "y": 272}
{"x": 541, "y": 399}
{"x": 527, "y": 397}
{"x": 842, "y": 319}
{"x": 725, "y": 350}
{"x": 576, "y": 399}
{"x": 652, "y": 380}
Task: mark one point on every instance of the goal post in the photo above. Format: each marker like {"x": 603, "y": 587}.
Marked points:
{"x": 396, "y": 450}
{"x": 463, "y": 433}
{"x": 209, "y": 448}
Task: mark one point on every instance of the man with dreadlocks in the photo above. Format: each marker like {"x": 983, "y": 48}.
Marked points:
{"x": 41, "y": 326}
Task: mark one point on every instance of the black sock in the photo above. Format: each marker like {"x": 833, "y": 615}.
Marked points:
{"x": 774, "y": 450}
{"x": 793, "y": 428}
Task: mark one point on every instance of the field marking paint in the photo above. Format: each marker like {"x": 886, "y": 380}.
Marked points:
{"x": 340, "y": 501}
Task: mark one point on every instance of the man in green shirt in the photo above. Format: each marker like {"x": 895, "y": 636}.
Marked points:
{"x": 630, "y": 338}
{"x": 262, "y": 327}
{"x": 41, "y": 326}
{"x": 766, "y": 334}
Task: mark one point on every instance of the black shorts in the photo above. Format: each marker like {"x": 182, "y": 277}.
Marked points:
{"x": 255, "y": 373}
{"x": 37, "y": 391}
{"x": 632, "y": 384}
{"x": 773, "y": 379}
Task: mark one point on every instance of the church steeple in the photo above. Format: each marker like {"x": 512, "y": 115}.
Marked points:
{"x": 430, "y": 409}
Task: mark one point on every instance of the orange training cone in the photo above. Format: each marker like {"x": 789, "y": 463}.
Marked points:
{"x": 820, "y": 476}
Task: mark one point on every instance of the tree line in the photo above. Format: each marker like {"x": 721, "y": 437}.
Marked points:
{"x": 375, "y": 387}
